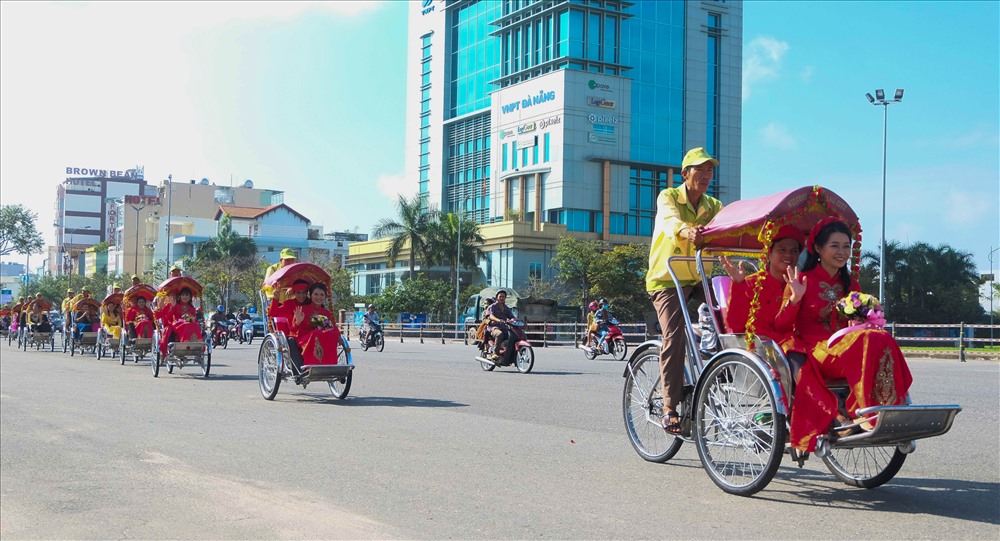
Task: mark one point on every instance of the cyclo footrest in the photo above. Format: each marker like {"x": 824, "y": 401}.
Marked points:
{"x": 321, "y": 372}
{"x": 900, "y": 424}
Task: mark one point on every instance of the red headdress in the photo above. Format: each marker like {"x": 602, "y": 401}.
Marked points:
{"x": 811, "y": 243}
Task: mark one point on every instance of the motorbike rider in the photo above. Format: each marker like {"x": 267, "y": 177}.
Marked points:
{"x": 602, "y": 317}
{"x": 372, "y": 322}
{"x": 219, "y": 320}
{"x": 498, "y": 314}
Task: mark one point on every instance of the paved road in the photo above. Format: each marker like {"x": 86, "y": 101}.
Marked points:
{"x": 429, "y": 446}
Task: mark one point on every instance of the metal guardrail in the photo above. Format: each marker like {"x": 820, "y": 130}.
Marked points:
{"x": 948, "y": 336}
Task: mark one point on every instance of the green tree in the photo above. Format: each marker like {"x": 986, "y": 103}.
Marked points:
{"x": 226, "y": 262}
{"x": 419, "y": 295}
{"x": 409, "y": 230}
{"x": 619, "y": 275}
{"x": 925, "y": 284}
{"x": 443, "y": 239}
{"x": 18, "y": 232}
{"x": 575, "y": 264}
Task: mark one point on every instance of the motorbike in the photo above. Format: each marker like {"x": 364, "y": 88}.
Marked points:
{"x": 246, "y": 331}
{"x": 220, "y": 336}
{"x": 513, "y": 349}
{"x": 613, "y": 344}
{"x": 233, "y": 330}
{"x": 372, "y": 339}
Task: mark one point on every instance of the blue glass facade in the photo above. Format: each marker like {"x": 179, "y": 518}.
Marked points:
{"x": 474, "y": 57}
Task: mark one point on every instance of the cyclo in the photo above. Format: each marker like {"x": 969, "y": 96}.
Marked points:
{"x": 179, "y": 354}
{"x": 32, "y": 336}
{"x": 87, "y": 341}
{"x": 106, "y": 342}
{"x": 737, "y": 403}
{"x": 140, "y": 346}
{"x": 274, "y": 362}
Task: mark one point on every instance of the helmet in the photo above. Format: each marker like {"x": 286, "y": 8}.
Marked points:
{"x": 372, "y": 306}
{"x": 603, "y": 301}
{"x": 593, "y": 306}
{"x": 221, "y": 308}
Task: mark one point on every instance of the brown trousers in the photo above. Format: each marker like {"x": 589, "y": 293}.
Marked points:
{"x": 673, "y": 352}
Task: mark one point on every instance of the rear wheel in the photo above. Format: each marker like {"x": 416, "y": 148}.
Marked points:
{"x": 739, "y": 433}
{"x": 154, "y": 363}
{"x": 122, "y": 348}
{"x": 206, "y": 363}
{"x": 525, "y": 359}
{"x": 379, "y": 342}
{"x": 619, "y": 349}
{"x": 865, "y": 467}
{"x": 267, "y": 368}
{"x": 642, "y": 407}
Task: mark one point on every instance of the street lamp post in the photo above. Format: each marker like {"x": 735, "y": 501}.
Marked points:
{"x": 170, "y": 239}
{"x": 458, "y": 263}
{"x": 136, "y": 208}
{"x": 880, "y": 99}
{"x": 992, "y": 277}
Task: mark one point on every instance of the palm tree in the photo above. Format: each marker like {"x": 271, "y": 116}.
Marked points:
{"x": 411, "y": 230}
{"x": 443, "y": 243}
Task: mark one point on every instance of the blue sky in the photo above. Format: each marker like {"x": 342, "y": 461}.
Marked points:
{"x": 309, "y": 98}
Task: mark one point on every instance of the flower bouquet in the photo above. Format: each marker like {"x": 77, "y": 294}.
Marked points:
{"x": 187, "y": 318}
{"x": 320, "y": 322}
{"x": 861, "y": 308}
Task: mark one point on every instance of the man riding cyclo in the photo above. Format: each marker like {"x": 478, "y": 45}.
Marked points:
{"x": 286, "y": 258}
{"x": 17, "y": 315}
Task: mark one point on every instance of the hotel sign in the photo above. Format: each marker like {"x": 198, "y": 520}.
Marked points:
{"x": 142, "y": 200}
{"x": 135, "y": 173}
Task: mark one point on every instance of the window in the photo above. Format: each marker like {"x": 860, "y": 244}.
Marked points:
{"x": 513, "y": 155}
{"x": 534, "y": 155}
{"x": 504, "y": 157}
{"x": 545, "y": 152}
{"x": 535, "y": 271}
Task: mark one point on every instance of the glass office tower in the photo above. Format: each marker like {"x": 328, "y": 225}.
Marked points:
{"x": 569, "y": 112}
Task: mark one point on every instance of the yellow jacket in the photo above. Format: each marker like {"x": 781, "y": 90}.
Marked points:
{"x": 673, "y": 213}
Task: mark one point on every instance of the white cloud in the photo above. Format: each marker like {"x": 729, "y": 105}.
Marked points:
{"x": 777, "y": 136}
{"x": 392, "y": 186}
{"x": 807, "y": 74}
{"x": 762, "y": 62}
{"x": 965, "y": 209}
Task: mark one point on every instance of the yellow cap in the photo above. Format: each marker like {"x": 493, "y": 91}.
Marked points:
{"x": 288, "y": 253}
{"x": 697, "y": 156}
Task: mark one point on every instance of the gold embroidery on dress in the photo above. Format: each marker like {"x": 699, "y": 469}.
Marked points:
{"x": 831, "y": 294}
{"x": 885, "y": 387}
{"x": 318, "y": 351}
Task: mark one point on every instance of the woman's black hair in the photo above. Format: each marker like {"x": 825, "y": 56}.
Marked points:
{"x": 812, "y": 260}
{"x": 319, "y": 285}
{"x": 181, "y": 292}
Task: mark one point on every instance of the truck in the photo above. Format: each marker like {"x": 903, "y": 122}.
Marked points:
{"x": 527, "y": 309}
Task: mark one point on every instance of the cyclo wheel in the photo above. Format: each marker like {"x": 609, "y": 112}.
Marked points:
{"x": 739, "y": 434}
{"x": 865, "y": 467}
{"x": 206, "y": 363}
{"x": 642, "y": 407}
{"x": 154, "y": 359}
{"x": 122, "y": 348}
{"x": 267, "y": 367}
{"x": 379, "y": 342}
{"x": 340, "y": 387}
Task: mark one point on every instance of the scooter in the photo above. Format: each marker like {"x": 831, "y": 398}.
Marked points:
{"x": 512, "y": 350}
{"x": 613, "y": 344}
{"x": 246, "y": 331}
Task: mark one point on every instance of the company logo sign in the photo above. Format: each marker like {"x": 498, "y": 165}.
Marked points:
{"x": 594, "y": 85}
{"x": 551, "y": 121}
{"x": 542, "y": 97}
{"x": 603, "y": 103}
{"x": 602, "y": 119}
{"x": 426, "y": 7}
{"x": 506, "y": 133}
{"x": 525, "y": 128}
{"x": 601, "y": 138}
